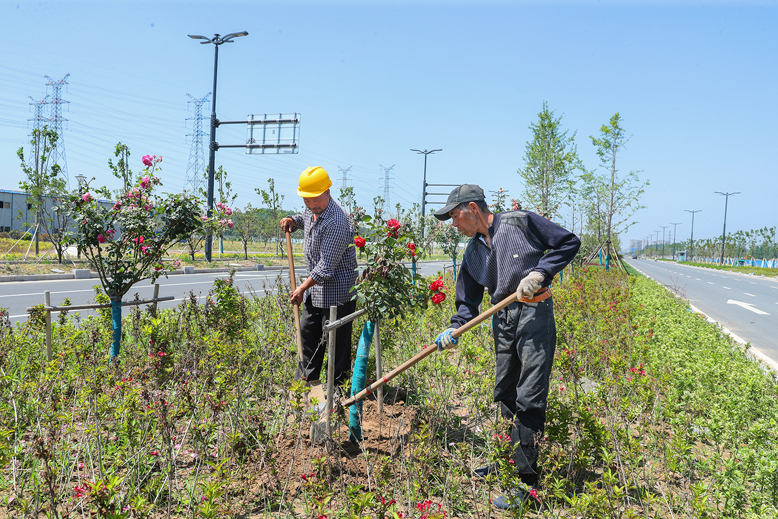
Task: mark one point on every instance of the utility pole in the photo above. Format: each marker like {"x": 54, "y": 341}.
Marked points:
{"x": 424, "y": 186}
{"x": 216, "y": 40}
{"x": 656, "y": 243}
{"x": 675, "y": 234}
{"x": 724, "y": 233}
{"x": 692, "y": 238}
{"x": 663, "y": 227}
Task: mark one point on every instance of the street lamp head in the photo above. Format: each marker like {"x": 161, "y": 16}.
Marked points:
{"x": 80, "y": 179}
{"x": 198, "y": 37}
{"x": 235, "y": 35}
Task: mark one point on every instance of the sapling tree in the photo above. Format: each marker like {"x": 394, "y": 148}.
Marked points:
{"x": 619, "y": 195}
{"x": 44, "y": 181}
{"x": 125, "y": 243}
{"x": 550, "y": 159}
{"x": 272, "y": 201}
{"x": 121, "y": 169}
{"x": 248, "y": 224}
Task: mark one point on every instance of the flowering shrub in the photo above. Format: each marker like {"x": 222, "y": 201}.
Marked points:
{"x": 386, "y": 286}
{"x": 125, "y": 244}
{"x": 438, "y": 296}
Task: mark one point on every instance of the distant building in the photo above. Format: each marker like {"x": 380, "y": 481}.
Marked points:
{"x": 635, "y": 245}
{"x": 16, "y": 211}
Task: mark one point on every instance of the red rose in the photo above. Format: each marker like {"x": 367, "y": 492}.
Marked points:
{"x": 359, "y": 241}
{"x": 412, "y": 248}
{"x": 438, "y": 297}
{"x": 437, "y": 284}
{"x": 393, "y": 224}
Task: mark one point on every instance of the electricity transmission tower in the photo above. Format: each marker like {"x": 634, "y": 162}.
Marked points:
{"x": 38, "y": 122}
{"x": 386, "y": 184}
{"x": 56, "y": 120}
{"x": 195, "y": 168}
{"x": 344, "y": 177}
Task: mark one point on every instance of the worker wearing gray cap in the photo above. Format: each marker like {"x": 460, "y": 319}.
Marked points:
{"x": 507, "y": 254}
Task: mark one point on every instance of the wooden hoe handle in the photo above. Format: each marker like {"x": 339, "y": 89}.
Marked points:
{"x": 293, "y": 283}
{"x": 428, "y": 350}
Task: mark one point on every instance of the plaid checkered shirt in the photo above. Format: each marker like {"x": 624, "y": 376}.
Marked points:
{"x": 330, "y": 260}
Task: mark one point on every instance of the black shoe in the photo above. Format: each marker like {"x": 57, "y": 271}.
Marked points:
{"x": 482, "y": 472}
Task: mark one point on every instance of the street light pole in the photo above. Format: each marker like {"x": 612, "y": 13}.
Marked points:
{"x": 663, "y": 227}
{"x": 424, "y": 186}
{"x": 216, "y": 40}
{"x": 675, "y": 234}
{"x": 724, "y": 232}
{"x": 692, "y": 238}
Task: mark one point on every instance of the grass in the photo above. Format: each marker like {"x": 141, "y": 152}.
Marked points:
{"x": 652, "y": 413}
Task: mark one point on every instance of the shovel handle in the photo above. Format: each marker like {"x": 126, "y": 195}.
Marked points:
{"x": 428, "y": 350}
{"x": 293, "y": 283}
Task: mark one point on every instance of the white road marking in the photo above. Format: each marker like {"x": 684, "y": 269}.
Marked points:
{"x": 698, "y": 279}
{"x": 710, "y": 283}
{"x": 41, "y": 293}
{"x": 726, "y": 288}
{"x": 746, "y": 293}
{"x": 747, "y": 306}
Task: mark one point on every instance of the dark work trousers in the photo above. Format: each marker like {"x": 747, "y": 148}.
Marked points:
{"x": 524, "y": 343}
{"x": 315, "y": 342}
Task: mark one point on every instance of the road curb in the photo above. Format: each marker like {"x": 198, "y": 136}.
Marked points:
{"x": 751, "y": 351}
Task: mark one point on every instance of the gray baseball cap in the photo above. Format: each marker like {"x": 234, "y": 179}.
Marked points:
{"x": 463, "y": 193}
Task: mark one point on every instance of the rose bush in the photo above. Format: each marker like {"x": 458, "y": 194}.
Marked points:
{"x": 386, "y": 287}
{"x": 125, "y": 243}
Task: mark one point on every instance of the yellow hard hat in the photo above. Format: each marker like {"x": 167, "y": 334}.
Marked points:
{"x": 313, "y": 182}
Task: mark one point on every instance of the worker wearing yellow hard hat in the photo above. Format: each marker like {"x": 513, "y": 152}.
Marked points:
{"x": 331, "y": 265}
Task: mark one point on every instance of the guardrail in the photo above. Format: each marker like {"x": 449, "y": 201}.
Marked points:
{"x": 49, "y": 309}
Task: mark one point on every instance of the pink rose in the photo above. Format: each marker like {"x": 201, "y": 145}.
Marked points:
{"x": 148, "y": 160}
{"x": 228, "y": 211}
{"x": 86, "y": 197}
{"x": 139, "y": 240}
{"x": 230, "y": 224}
{"x": 101, "y": 238}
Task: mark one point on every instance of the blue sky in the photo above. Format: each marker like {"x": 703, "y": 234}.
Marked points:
{"x": 695, "y": 84}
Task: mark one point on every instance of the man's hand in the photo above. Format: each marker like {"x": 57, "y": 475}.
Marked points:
{"x": 530, "y": 285}
{"x": 288, "y": 225}
{"x": 445, "y": 340}
{"x": 296, "y": 297}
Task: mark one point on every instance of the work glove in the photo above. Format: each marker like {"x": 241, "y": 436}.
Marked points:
{"x": 446, "y": 340}
{"x": 530, "y": 285}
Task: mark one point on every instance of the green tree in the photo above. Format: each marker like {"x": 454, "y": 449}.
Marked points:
{"x": 44, "y": 182}
{"x": 618, "y": 197}
{"x": 550, "y": 159}
{"x": 121, "y": 169}
{"x": 272, "y": 201}
{"x": 248, "y": 224}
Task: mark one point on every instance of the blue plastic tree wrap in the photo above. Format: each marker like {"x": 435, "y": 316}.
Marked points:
{"x": 116, "y": 315}
{"x": 358, "y": 381}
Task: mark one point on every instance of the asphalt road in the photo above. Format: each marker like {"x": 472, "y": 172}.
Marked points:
{"x": 745, "y": 305}
{"x": 17, "y": 296}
